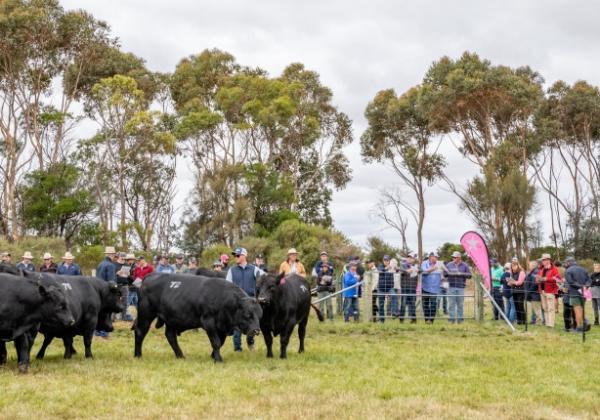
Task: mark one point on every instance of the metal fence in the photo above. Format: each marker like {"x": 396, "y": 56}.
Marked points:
{"x": 396, "y": 301}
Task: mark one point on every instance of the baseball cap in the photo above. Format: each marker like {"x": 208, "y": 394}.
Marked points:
{"x": 323, "y": 253}
{"x": 216, "y": 263}
{"x": 456, "y": 254}
{"x": 239, "y": 251}
{"x": 179, "y": 256}
{"x": 386, "y": 258}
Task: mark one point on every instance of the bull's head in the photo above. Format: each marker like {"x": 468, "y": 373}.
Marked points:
{"x": 266, "y": 287}
{"x": 247, "y": 316}
{"x": 113, "y": 299}
{"x": 55, "y": 307}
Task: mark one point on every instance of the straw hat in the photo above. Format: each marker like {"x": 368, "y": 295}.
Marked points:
{"x": 47, "y": 256}
{"x": 292, "y": 251}
{"x": 546, "y": 257}
{"x": 130, "y": 257}
{"x": 27, "y": 255}
{"x": 110, "y": 250}
{"x": 68, "y": 256}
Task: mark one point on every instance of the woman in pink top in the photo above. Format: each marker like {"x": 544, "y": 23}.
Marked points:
{"x": 517, "y": 284}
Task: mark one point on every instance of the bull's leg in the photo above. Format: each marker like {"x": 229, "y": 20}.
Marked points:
{"x": 268, "y": 341}
{"x": 171, "y": 335}
{"x": 302, "y": 333}
{"x": 42, "y": 352}
{"x": 22, "y": 346}
{"x": 141, "y": 327}
{"x": 285, "y": 339}
{"x": 2, "y": 353}
{"x": 216, "y": 341}
{"x": 32, "y": 335}
{"x": 87, "y": 343}
{"x": 68, "y": 343}
{"x": 73, "y": 351}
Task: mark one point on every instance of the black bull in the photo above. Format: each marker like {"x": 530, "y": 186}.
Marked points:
{"x": 182, "y": 302}
{"x": 25, "y": 303}
{"x": 286, "y": 302}
{"x": 92, "y": 302}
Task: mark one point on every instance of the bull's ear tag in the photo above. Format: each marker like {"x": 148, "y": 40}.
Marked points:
{"x": 174, "y": 284}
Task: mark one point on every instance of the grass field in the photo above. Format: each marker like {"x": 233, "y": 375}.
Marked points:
{"x": 349, "y": 371}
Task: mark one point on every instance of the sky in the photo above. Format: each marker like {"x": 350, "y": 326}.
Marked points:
{"x": 360, "y": 48}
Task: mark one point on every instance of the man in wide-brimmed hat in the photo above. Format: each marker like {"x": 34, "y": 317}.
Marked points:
{"x": 26, "y": 264}
{"x": 6, "y": 257}
{"x": 48, "y": 266}
{"x": 548, "y": 278}
{"x": 107, "y": 270}
{"x": 292, "y": 265}
{"x": 68, "y": 267}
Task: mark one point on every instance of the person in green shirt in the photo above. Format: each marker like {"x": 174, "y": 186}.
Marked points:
{"x": 497, "y": 273}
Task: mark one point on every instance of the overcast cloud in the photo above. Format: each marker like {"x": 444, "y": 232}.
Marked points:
{"x": 359, "y": 48}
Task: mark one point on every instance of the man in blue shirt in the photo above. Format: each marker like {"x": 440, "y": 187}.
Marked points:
{"x": 456, "y": 276}
{"x": 26, "y": 264}
{"x": 408, "y": 287}
{"x": 107, "y": 271}
{"x": 243, "y": 275}
{"x": 68, "y": 267}
{"x": 431, "y": 286}
{"x": 351, "y": 278}
{"x": 163, "y": 265}
{"x": 385, "y": 286}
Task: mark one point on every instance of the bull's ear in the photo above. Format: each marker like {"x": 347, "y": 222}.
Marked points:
{"x": 279, "y": 278}
{"x": 43, "y": 291}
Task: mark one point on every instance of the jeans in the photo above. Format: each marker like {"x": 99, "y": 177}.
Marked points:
{"x": 326, "y": 303}
{"x": 408, "y": 302}
{"x": 132, "y": 300}
{"x": 381, "y": 303}
{"x": 509, "y": 308}
{"x": 350, "y": 308}
{"x": 456, "y": 301}
{"x": 519, "y": 300}
{"x": 237, "y": 341}
{"x": 536, "y": 312}
{"x": 124, "y": 300}
{"x": 392, "y": 308}
{"x": 443, "y": 301}
{"x": 429, "y": 301}
{"x": 497, "y": 295}
{"x": 595, "y": 306}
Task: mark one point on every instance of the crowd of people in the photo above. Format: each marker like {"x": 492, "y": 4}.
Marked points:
{"x": 396, "y": 286}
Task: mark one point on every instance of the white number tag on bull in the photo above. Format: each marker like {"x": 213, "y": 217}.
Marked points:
{"x": 67, "y": 286}
{"x": 175, "y": 284}
{"x": 303, "y": 288}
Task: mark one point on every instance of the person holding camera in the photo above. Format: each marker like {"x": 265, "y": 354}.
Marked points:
{"x": 323, "y": 271}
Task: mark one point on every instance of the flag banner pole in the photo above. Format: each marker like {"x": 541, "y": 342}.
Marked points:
{"x": 500, "y": 311}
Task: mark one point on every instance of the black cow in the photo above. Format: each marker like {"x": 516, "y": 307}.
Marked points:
{"x": 285, "y": 302}
{"x": 182, "y": 302}
{"x": 207, "y": 272}
{"x": 24, "y": 304}
{"x": 92, "y": 302}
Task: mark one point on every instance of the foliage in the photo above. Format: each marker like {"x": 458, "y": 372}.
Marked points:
{"x": 54, "y": 201}
{"x": 377, "y": 248}
{"x": 445, "y": 251}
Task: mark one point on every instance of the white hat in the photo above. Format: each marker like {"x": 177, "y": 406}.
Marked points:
{"x": 47, "y": 256}
{"x": 292, "y": 251}
{"x": 28, "y": 255}
{"x": 68, "y": 256}
{"x": 546, "y": 257}
{"x": 456, "y": 254}
{"x": 110, "y": 250}
{"x": 130, "y": 257}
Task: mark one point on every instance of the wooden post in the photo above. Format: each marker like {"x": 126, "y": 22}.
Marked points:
{"x": 479, "y": 301}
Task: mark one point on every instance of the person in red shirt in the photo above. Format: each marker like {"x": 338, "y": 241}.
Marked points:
{"x": 547, "y": 278}
{"x": 141, "y": 270}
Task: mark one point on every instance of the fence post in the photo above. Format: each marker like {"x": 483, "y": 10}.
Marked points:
{"x": 339, "y": 299}
{"x": 367, "y": 296}
{"x": 479, "y": 302}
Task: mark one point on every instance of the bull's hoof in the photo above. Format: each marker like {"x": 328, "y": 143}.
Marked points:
{"x": 39, "y": 356}
{"x": 67, "y": 356}
{"x": 89, "y": 356}
{"x": 301, "y": 351}
{"x": 23, "y": 368}
{"x": 283, "y": 356}
{"x": 180, "y": 356}
{"x": 269, "y": 355}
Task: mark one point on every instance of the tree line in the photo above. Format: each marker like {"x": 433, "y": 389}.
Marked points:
{"x": 267, "y": 151}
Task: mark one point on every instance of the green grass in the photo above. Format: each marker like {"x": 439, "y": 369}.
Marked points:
{"x": 349, "y": 371}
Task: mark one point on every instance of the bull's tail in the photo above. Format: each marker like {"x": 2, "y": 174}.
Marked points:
{"x": 319, "y": 314}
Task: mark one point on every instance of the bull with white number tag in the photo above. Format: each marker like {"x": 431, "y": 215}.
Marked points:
{"x": 286, "y": 303}
{"x": 183, "y": 302}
